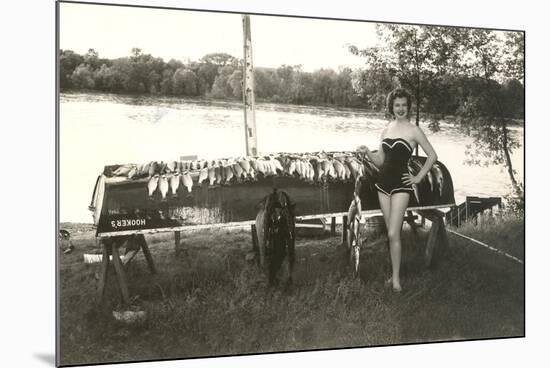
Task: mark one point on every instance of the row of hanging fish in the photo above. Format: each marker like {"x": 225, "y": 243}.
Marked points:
{"x": 434, "y": 177}
{"x": 167, "y": 178}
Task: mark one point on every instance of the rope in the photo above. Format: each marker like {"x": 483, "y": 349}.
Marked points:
{"x": 487, "y": 246}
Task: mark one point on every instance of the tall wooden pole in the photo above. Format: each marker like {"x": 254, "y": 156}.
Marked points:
{"x": 251, "y": 140}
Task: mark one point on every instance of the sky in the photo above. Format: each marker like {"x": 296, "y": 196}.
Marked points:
{"x": 189, "y": 35}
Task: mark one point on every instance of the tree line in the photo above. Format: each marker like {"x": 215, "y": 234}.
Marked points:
{"x": 217, "y": 75}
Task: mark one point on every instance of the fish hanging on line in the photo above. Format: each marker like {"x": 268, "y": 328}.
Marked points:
{"x": 163, "y": 186}
{"x": 307, "y": 169}
{"x": 347, "y": 171}
{"x": 171, "y": 166}
{"x": 439, "y": 179}
{"x": 311, "y": 171}
{"x": 143, "y": 170}
{"x": 211, "y": 175}
{"x": 245, "y": 165}
{"x": 354, "y": 168}
{"x": 301, "y": 168}
{"x": 228, "y": 174}
{"x": 416, "y": 193}
{"x": 237, "y": 171}
{"x": 320, "y": 171}
{"x": 276, "y": 164}
{"x": 339, "y": 169}
{"x": 270, "y": 167}
{"x": 291, "y": 168}
{"x": 203, "y": 175}
{"x": 414, "y": 186}
{"x": 162, "y": 167}
{"x": 133, "y": 172}
{"x": 262, "y": 167}
{"x": 430, "y": 180}
{"x": 219, "y": 174}
{"x": 187, "y": 181}
{"x": 253, "y": 163}
{"x": 153, "y": 168}
{"x": 331, "y": 171}
{"x": 326, "y": 167}
{"x": 152, "y": 185}
{"x": 123, "y": 170}
{"x": 174, "y": 182}
{"x": 284, "y": 160}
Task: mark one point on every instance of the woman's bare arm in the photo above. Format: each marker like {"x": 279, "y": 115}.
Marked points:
{"x": 423, "y": 142}
{"x": 376, "y": 157}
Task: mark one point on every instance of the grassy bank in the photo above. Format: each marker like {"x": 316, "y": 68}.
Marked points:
{"x": 211, "y": 300}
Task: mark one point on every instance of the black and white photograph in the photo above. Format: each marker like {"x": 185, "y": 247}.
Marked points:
{"x": 233, "y": 183}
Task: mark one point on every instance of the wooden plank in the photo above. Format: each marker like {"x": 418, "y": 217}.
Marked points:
{"x": 177, "y": 235}
{"x": 106, "y": 245}
{"x": 432, "y": 242}
{"x": 129, "y": 256}
{"x": 254, "y": 238}
{"x": 120, "y": 274}
{"x": 310, "y": 226}
{"x": 251, "y": 140}
{"x": 177, "y": 242}
{"x": 368, "y": 213}
{"x": 443, "y": 237}
{"x": 431, "y": 214}
{"x": 132, "y": 249}
{"x": 345, "y": 229}
{"x": 147, "y": 254}
{"x": 410, "y": 220}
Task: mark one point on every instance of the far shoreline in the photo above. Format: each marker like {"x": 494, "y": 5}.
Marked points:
{"x": 138, "y": 98}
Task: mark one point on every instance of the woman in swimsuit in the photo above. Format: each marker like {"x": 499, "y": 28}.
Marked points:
{"x": 395, "y": 183}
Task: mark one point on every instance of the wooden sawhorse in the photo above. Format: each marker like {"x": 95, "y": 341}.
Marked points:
{"x": 111, "y": 246}
{"x": 437, "y": 235}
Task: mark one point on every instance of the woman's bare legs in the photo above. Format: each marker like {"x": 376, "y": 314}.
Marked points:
{"x": 398, "y": 206}
{"x": 385, "y": 206}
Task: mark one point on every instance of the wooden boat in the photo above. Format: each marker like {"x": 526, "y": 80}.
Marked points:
{"x": 122, "y": 206}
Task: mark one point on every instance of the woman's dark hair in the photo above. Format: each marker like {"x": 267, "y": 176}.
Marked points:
{"x": 398, "y": 93}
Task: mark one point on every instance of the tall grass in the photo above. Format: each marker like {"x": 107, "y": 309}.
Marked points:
{"x": 212, "y": 301}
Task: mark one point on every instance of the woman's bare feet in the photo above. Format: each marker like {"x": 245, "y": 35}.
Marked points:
{"x": 396, "y": 286}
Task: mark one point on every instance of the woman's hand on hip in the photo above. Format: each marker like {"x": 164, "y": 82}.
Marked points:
{"x": 410, "y": 179}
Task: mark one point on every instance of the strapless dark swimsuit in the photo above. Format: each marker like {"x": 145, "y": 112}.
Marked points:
{"x": 397, "y": 153}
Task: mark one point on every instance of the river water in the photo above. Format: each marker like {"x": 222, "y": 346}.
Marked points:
{"x": 102, "y": 129}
